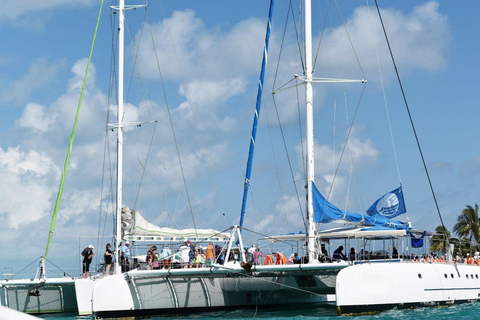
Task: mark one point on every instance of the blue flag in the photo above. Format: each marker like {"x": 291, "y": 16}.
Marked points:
{"x": 389, "y": 205}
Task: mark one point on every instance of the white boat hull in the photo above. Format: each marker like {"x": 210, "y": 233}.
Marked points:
{"x": 372, "y": 287}
{"x": 55, "y": 295}
{"x": 142, "y": 293}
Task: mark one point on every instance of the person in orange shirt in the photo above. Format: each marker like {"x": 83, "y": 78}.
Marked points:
{"x": 209, "y": 254}
{"x": 280, "y": 258}
{"x": 268, "y": 260}
{"x": 470, "y": 260}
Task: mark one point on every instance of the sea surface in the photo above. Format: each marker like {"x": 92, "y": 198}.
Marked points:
{"x": 460, "y": 311}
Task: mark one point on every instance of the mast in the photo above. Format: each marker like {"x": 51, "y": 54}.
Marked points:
{"x": 257, "y": 114}
{"x": 121, "y": 40}
{"x": 309, "y": 124}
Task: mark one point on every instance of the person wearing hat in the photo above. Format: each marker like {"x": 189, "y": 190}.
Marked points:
{"x": 87, "y": 254}
{"x": 124, "y": 257}
{"x": 108, "y": 259}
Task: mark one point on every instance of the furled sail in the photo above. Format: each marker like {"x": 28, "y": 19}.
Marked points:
{"x": 133, "y": 224}
{"x": 325, "y": 212}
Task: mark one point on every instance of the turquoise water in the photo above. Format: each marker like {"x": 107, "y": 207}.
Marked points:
{"x": 461, "y": 311}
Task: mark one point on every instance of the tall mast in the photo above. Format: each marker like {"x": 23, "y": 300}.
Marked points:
{"x": 309, "y": 124}
{"x": 121, "y": 40}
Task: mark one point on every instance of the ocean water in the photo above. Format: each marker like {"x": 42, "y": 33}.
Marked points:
{"x": 461, "y": 311}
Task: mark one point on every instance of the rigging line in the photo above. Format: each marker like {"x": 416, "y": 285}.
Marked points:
{"x": 289, "y": 162}
{"x": 64, "y": 272}
{"x": 300, "y": 128}
{"x": 72, "y": 139}
{"x": 294, "y": 79}
{"x": 255, "y": 208}
{"x": 39, "y": 258}
{"x": 349, "y": 39}
{"x": 145, "y": 165}
{"x": 410, "y": 116}
{"x": 296, "y": 33}
{"x": 346, "y": 140}
{"x": 385, "y": 101}
{"x": 349, "y": 154}
{"x": 321, "y": 36}
{"x": 154, "y": 185}
{"x": 281, "y": 47}
{"x": 276, "y": 169}
{"x": 171, "y": 125}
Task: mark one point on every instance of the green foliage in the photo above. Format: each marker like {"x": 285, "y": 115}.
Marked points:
{"x": 468, "y": 224}
{"x": 439, "y": 241}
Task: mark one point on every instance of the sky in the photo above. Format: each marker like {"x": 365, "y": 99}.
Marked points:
{"x": 210, "y": 54}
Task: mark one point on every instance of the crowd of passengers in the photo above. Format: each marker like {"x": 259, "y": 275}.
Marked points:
{"x": 190, "y": 255}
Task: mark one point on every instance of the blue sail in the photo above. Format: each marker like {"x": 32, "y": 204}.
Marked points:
{"x": 257, "y": 113}
{"x": 325, "y": 212}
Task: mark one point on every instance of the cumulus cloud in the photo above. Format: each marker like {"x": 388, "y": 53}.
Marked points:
{"x": 186, "y": 48}
{"x": 35, "y": 117}
{"x": 39, "y": 74}
{"x": 418, "y": 39}
{"x": 25, "y": 175}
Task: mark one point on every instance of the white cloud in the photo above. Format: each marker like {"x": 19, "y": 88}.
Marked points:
{"x": 39, "y": 74}
{"x": 26, "y": 185}
{"x": 186, "y": 49}
{"x": 29, "y": 14}
{"x": 418, "y": 40}
{"x": 35, "y": 117}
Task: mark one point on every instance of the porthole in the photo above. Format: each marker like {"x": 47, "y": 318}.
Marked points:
{"x": 476, "y": 276}
{"x": 471, "y": 276}
{"x": 446, "y": 277}
{"x": 467, "y": 276}
{"x": 451, "y": 275}
{"x": 420, "y": 276}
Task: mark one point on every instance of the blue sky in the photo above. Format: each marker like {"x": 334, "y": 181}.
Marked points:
{"x": 211, "y": 81}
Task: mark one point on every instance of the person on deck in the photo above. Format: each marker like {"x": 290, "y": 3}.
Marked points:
{"x": 257, "y": 255}
{"x": 280, "y": 258}
{"x": 87, "y": 254}
{"x": 394, "y": 253}
{"x": 209, "y": 254}
{"x": 353, "y": 254}
{"x": 165, "y": 255}
{"x": 125, "y": 256}
{"x": 184, "y": 251}
{"x": 190, "y": 253}
{"x": 150, "y": 257}
{"x": 338, "y": 254}
{"x": 108, "y": 257}
{"x": 268, "y": 260}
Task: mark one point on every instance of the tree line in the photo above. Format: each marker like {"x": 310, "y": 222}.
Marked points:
{"x": 467, "y": 230}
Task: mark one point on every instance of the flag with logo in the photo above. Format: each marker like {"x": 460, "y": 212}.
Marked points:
{"x": 389, "y": 205}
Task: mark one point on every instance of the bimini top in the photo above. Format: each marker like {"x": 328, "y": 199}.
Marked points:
{"x": 350, "y": 233}
{"x": 136, "y": 228}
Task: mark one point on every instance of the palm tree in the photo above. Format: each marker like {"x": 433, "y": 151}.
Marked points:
{"x": 468, "y": 224}
{"x": 439, "y": 241}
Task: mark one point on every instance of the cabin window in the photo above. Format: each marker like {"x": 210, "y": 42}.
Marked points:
{"x": 419, "y": 276}
{"x": 467, "y": 276}
{"x": 451, "y": 275}
{"x": 471, "y": 276}
{"x": 446, "y": 277}
{"x": 476, "y": 276}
